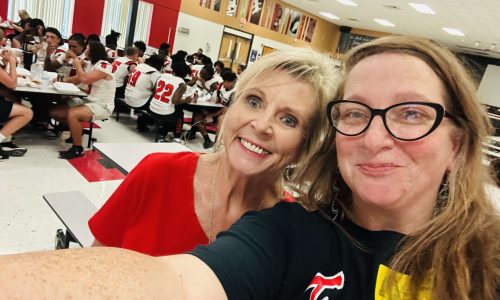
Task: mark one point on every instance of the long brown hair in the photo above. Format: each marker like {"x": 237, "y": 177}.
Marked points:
{"x": 458, "y": 251}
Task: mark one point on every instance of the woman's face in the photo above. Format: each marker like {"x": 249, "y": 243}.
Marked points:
{"x": 75, "y": 47}
{"x": 267, "y": 124}
{"x": 384, "y": 172}
{"x": 52, "y": 39}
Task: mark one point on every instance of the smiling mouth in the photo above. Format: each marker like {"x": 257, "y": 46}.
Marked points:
{"x": 253, "y": 148}
{"x": 377, "y": 168}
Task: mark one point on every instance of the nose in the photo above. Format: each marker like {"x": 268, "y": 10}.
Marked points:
{"x": 263, "y": 122}
{"x": 377, "y": 137}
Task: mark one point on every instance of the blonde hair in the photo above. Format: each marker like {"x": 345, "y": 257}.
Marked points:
{"x": 457, "y": 251}
{"x": 305, "y": 65}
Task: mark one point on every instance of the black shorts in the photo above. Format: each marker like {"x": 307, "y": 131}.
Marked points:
{"x": 5, "y": 109}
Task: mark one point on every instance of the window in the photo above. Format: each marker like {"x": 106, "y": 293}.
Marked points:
{"x": 58, "y": 14}
{"x": 116, "y": 14}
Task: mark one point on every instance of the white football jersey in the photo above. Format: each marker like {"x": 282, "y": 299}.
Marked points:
{"x": 141, "y": 84}
{"x": 111, "y": 53}
{"x": 121, "y": 68}
{"x": 161, "y": 103}
{"x": 102, "y": 91}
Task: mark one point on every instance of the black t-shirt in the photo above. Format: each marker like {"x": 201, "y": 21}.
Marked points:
{"x": 288, "y": 253}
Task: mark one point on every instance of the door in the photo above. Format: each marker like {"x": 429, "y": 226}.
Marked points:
{"x": 235, "y": 48}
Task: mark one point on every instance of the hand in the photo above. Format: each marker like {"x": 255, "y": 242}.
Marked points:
{"x": 70, "y": 55}
{"x": 40, "y": 29}
{"x": 50, "y": 50}
{"x": 188, "y": 99}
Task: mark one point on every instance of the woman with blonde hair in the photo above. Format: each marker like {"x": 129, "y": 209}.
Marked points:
{"x": 172, "y": 202}
{"x": 397, "y": 193}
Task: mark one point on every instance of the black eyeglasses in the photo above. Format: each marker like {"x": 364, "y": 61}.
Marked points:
{"x": 407, "y": 121}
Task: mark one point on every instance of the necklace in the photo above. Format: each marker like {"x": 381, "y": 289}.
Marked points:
{"x": 212, "y": 202}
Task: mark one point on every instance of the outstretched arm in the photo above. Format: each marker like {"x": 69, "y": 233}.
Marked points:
{"x": 103, "y": 273}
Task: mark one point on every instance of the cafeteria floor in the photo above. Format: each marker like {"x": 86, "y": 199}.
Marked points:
{"x": 26, "y": 221}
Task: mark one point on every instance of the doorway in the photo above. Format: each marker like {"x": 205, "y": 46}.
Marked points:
{"x": 235, "y": 48}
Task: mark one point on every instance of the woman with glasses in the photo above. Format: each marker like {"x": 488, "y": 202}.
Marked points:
{"x": 396, "y": 194}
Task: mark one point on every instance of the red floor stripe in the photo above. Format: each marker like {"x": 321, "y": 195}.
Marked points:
{"x": 90, "y": 168}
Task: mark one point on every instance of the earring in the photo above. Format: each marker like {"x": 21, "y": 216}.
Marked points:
{"x": 335, "y": 193}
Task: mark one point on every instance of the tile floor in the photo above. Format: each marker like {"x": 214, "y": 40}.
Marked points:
{"x": 26, "y": 221}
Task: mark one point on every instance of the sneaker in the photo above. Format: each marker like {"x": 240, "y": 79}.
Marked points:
{"x": 208, "y": 144}
{"x": 73, "y": 152}
{"x": 11, "y": 149}
{"x": 3, "y": 157}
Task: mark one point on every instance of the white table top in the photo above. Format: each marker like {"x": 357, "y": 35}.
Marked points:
{"x": 206, "y": 104}
{"x": 125, "y": 156}
{"x": 74, "y": 210}
{"x": 50, "y": 90}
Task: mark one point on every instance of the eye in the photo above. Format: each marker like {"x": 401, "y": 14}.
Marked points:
{"x": 289, "y": 121}
{"x": 254, "y": 102}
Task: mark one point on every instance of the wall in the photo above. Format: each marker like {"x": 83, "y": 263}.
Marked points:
{"x": 325, "y": 35}
{"x": 87, "y": 18}
{"x": 202, "y": 34}
{"x": 4, "y": 8}
{"x": 165, "y": 17}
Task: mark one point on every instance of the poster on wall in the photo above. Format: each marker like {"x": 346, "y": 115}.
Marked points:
{"x": 276, "y": 18}
{"x": 243, "y": 10}
{"x": 293, "y": 28}
{"x": 285, "y": 21}
{"x": 231, "y": 8}
{"x": 310, "y": 30}
{"x": 205, "y": 3}
{"x": 256, "y": 11}
{"x": 266, "y": 14}
{"x": 217, "y": 5}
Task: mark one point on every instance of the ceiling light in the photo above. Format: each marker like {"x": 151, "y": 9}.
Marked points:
{"x": 422, "y": 8}
{"x": 453, "y": 31}
{"x": 347, "y": 2}
{"x": 329, "y": 15}
{"x": 384, "y": 22}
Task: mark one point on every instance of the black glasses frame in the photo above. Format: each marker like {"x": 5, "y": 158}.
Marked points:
{"x": 440, "y": 113}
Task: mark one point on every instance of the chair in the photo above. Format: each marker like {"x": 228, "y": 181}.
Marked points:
{"x": 170, "y": 125}
{"x": 120, "y": 106}
{"x": 89, "y": 133}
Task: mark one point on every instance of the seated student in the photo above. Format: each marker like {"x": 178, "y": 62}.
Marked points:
{"x": 93, "y": 37}
{"x": 240, "y": 69}
{"x": 169, "y": 92}
{"x": 205, "y": 86}
{"x": 218, "y": 67}
{"x": 142, "y": 50}
{"x": 55, "y": 51}
{"x": 24, "y": 18}
{"x": 26, "y": 39}
{"x": 111, "y": 44}
{"x": 122, "y": 67}
{"x": 98, "y": 105}
{"x": 179, "y": 56}
{"x": 196, "y": 69}
{"x": 13, "y": 115}
{"x": 398, "y": 207}
{"x": 198, "y": 56}
{"x": 141, "y": 85}
{"x": 76, "y": 44}
{"x": 223, "y": 94}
